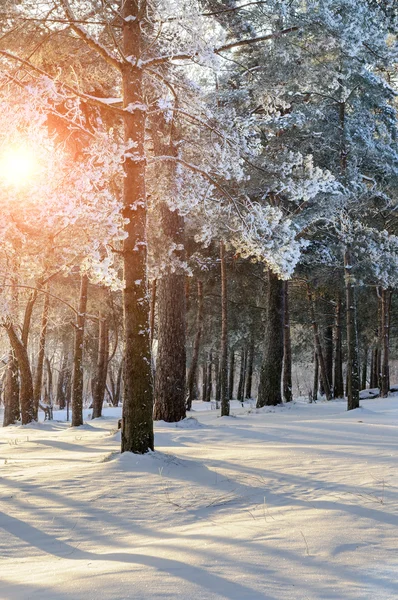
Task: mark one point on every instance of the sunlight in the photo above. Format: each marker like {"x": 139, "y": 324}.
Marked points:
{"x": 17, "y": 166}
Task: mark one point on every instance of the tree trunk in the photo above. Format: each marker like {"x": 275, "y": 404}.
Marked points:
{"x": 119, "y": 383}
{"x": 204, "y": 380}
{"x": 269, "y": 391}
{"x": 249, "y": 368}
{"x": 231, "y": 375}
{"x": 352, "y": 341}
{"x": 328, "y": 337}
{"x": 170, "y": 378}
{"x": 209, "y": 378}
{"x": 153, "y": 307}
{"x": 217, "y": 379}
{"x": 318, "y": 346}
{"x": 102, "y": 368}
{"x": 137, "y": 420}
{"x": 242, "y": 375}
{"x": 385, "y": 302}
{"x": 61, "y": 397}
{"x": 26, "y": 383}
{"x": 77, "y": 376}
{"x": 11, "y": 392}
{"x": 192, "y": 375}
{"x": 338, "y": 385}
{"x": 40, "y": 359}
{"x": 372, "y": 368}
{"x": 316, "y": 377}
{"x": 287, "y": 349}
{"x": 364, "y": 372}
{"x": 224, "y": 336}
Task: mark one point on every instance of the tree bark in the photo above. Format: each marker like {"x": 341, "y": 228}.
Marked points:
{"x": 137, "y": 418}
{"x": 224, "y": 336}
{"x": 38, "y": 382}
{"x": 153, "y": 307}
{"x": 102, "y": 368}
{"x": 204, "y": 380}
{"x": 364, "y": 370}
{"x": 242, "y": 375}
{"x": 328, "y": 337}
{"x": 26, "y": 383}
{"x": 11, "y": 392}
{"x": 352, "y": 341}
{"x": 249, "y": 368}
{"x": 287, "y": 349}
{"x": 231, "y": 375}
{"x": 385, "y": 368}
{"x": 209, "y": 378}
{"x": 318, "y": 346}
{"x": 338, "y": 381}
{"x": 192, "y": 375}
{"x": 315, "y": 385}
{"x": 269, "y": 392}
{"x": 77, "y": 376}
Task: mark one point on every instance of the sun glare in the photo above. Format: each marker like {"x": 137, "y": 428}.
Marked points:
{"x": 17, "y": 166}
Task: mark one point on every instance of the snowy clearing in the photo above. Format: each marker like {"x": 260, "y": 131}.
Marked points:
{"x": 297, "y": 502}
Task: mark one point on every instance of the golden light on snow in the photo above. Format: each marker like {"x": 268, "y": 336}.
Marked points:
{"x": 17, "y": 166}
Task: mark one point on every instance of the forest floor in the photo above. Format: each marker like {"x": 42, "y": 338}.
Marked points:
{"x": 298, "y": 502}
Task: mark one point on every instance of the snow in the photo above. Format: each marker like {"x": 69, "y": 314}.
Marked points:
{"x": 293, "y": 502}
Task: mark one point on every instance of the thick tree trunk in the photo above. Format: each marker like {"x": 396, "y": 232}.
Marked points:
{"x": 385, "y": 368}
{"x": 26, "y": 383}
{"x": 352, "y": 341}
{"x": 338, "y": 381}
{"x": 287, "y": 349}
{"x": 38, "y": 382}
{"x": 77, "y": 376}
{"x": 170, "y": 378}
{"x": 102, "y": 368}
{"x": 192, "y": 375}
{"x": 224, "y": 336}
{"x": 231, "y": 375}
{"x": 318, "y": 346}
{"x": 11, "y": 392}
{"x": 269, "y": 391}
{"x": 137, "y": 420}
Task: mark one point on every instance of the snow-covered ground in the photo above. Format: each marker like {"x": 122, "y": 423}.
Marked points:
{"x": 298, "y": 502}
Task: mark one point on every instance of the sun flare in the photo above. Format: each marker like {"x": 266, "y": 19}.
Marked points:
{"x": 17, "y": 166}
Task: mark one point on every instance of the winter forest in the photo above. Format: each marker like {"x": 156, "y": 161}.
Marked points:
{"x": 198, "y": 307}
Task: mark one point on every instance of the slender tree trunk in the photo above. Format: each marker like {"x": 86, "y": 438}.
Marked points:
{"x": 338, "y": 385}
{"x": 217, "y": 379}
{"x": 287, "y": 349}
{"x": 119, "y": 383}
{"x": 209, "y": 378}
{"x": 242, "y": 375}
{"x": 352, "y": 341}
{"x": 372, "y": 368}
{"x": 77, "y": 376}
{"x": 49, "y": 381}
{"x": 204, "y": 380}
{"x": 11, "y": 392}
{"x": 269, "y": 392}
{"x": 364, "y": 371}
{"x": 224, "y": 336}
{"x": 192, "y": 375}
{"x": 153, "y": 307}
{"x": 249, "y": 368}
{"x": 26, "y": 384}
{"x": 329, "y": 356}
{"x": 38, "y": 382}
{"x": 315, "y": 386}
{"x": 231, "y": 375}
{"x": 102, "y": 368}
{"x": 61, "y": 399}
{"x": 318, "y": 346}
{"x": 137, "y": 420}
{"x": 385, "y": 302}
